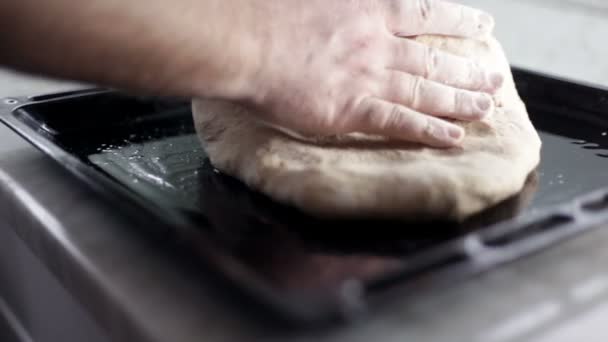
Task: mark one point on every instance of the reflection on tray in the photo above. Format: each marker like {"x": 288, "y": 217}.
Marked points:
{"x": 148, "y": 147}
{"x": 296, "y": 251}
{"x": 291, "y": 249}
{"x": 299, "y": 252}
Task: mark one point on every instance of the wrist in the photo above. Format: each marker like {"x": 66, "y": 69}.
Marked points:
{"x": 228, "y": 57}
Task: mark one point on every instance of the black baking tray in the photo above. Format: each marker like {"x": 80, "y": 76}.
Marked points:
{"x": 142, "y": 155}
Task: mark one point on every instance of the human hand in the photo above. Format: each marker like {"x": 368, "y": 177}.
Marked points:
{"x": 332, "y": 67}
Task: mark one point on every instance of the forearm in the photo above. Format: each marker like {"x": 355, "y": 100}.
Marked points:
{"x": 184, "y": 48}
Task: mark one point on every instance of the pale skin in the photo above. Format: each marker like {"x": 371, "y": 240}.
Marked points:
{"x": 314, "y": 67}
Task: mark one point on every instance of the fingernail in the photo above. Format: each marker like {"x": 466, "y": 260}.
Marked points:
{"x": 484, "y": 105}
{"x": 486, "y": 23}
{"x": 455, "y": 132}
{"x": 483, "y": 102}
{"x": 449, "y": 134}
{"x": 496, "y": 80}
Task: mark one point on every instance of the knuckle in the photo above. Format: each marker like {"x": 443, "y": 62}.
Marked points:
{"x": 366, "y": 113}
{"x": 431, "y": 61}
{"x": 424, "y": 129}
{"x": 324, "y": 119}
{"x": 398, "y": 52}
{"x": 394, "y": 118}
{"x": 485, "y": 22}
{"x": 362, "y": 70}
{"x": 406, "y": 53}
{"x": 426, "y": 8}
{"x": 428, "y": 130}
{"x": 395, "y": 6}
{"x": 327, "y": 122}
{"x": 464, "y": 106}
{"x": 392, "y": 86}
{"x": 460, "y": 98}
{"x": 416, "y": 90}
{"x": 476, "y": 75}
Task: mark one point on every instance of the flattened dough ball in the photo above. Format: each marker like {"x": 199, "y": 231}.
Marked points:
{"x": 359, "y": 176}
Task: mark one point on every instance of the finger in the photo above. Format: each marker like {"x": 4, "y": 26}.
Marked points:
{"x": 435, "y": 99}
{"x": 379, "y": 117}
{"x": 436, "y": 65}
{"x": 416, "y": 17}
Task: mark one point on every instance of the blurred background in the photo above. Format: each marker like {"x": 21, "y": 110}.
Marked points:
{"x": 559, "y": 37}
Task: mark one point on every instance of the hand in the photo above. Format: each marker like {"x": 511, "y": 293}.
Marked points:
{"x": 339, "y": 66}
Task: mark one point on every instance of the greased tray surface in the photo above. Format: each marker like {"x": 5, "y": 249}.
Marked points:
{"x": 144, "y": 152}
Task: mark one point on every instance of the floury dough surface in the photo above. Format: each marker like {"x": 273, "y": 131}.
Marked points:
{"x": 356, "y": 176}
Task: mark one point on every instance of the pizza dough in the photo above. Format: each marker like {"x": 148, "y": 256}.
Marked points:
{"x": 359, "y": 176}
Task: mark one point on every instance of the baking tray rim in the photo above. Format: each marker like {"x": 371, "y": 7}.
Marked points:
{"x": 478, "y": 254}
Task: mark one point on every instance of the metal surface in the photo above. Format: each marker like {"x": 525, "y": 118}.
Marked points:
{"x": 11, "y": 329}
{"x": 35, "y": 306}
{"x": 139, "y": 292}
{"x": 559, "y": 295}
{"x": 134, "y": 287}
{"x": 160, "y": 171}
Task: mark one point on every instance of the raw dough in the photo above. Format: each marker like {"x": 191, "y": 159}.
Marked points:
{"x": 355, "y": 176}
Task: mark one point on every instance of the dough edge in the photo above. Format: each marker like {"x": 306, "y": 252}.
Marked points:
{"x": 428, "y": 184}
